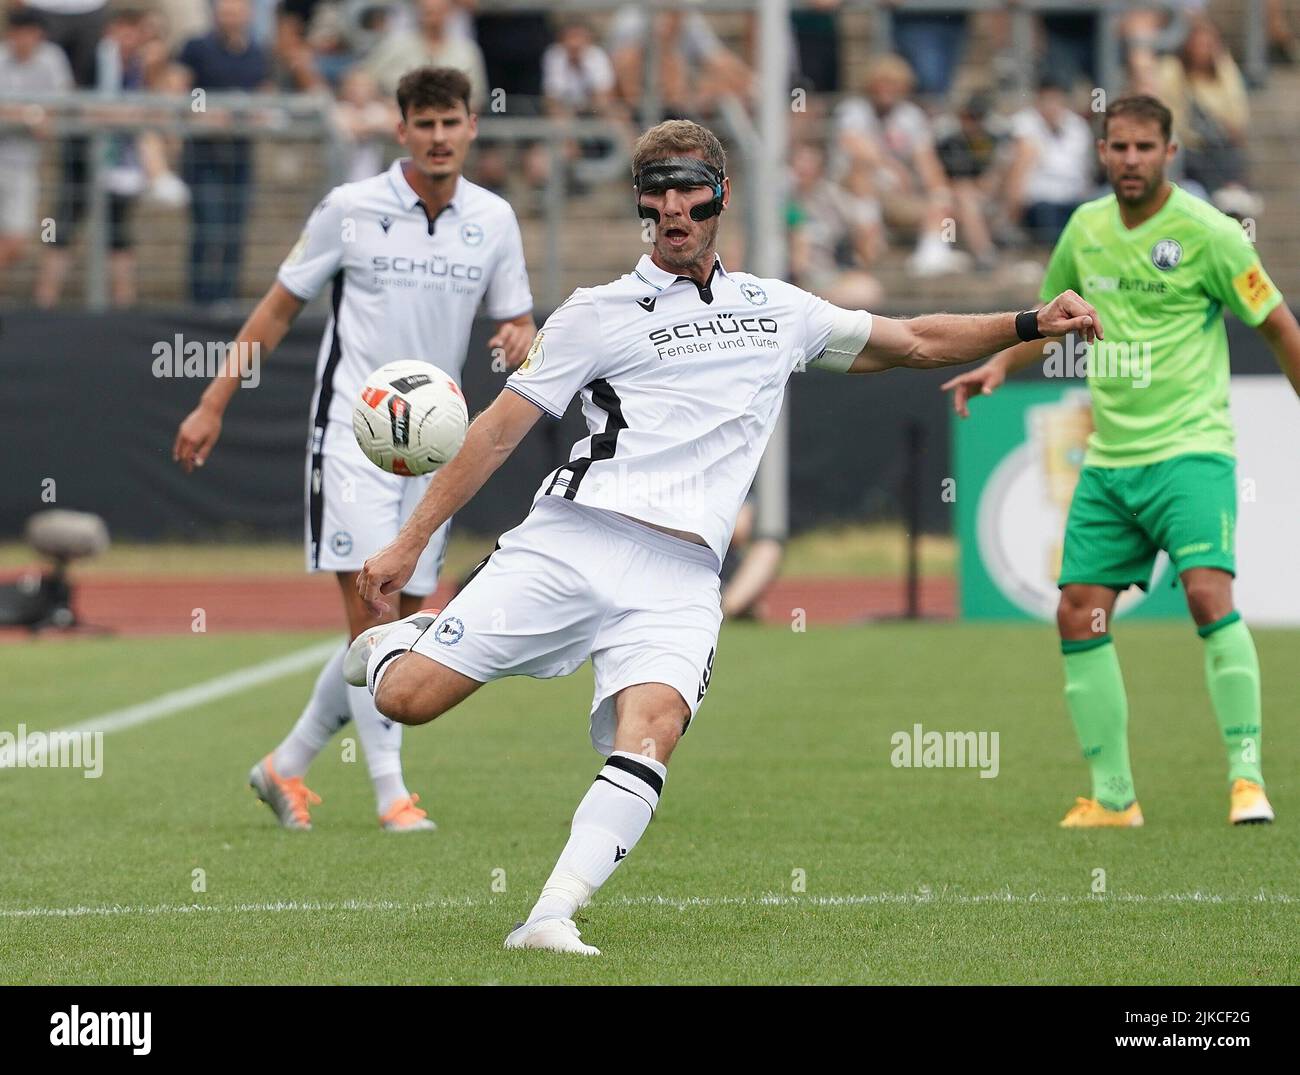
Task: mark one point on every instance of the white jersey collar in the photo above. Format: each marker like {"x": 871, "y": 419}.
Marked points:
{"x": 406, "y": 193}
{"x": 660, "y": 279}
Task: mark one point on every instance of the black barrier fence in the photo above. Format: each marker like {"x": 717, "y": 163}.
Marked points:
{"x": 87, "y": 423}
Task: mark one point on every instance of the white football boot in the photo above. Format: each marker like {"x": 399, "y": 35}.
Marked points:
{"x": 552, "y": 935}
{"x": 357, "y": 659}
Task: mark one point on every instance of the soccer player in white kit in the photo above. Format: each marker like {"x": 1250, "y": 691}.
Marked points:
{"x": 410, "y": 254}
{"x": 682, "y": 366}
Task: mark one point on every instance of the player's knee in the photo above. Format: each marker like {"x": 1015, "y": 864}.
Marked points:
{"x": 1076, "y": 616}
{"x": 661, "y": 730}
{"x": 653, "y": 729}
{"x": 1208, "y": 599}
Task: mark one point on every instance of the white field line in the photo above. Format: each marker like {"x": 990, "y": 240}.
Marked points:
{"x": 685, "y": 903}
{"x": 166, "y": 705}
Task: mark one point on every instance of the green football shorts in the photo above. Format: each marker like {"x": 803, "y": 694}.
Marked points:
{"x": 1121, "y": 517}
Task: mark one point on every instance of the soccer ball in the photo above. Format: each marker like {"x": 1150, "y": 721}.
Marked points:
{"x": 411, "y": 418}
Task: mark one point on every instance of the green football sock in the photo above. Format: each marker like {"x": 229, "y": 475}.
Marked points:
{"x": 1232, "y": 674}
{"x": 1098, "y": 705}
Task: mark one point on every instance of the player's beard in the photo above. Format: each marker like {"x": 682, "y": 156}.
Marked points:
{"x": 704, "y": 234}
{"x": 1150, "y": 187}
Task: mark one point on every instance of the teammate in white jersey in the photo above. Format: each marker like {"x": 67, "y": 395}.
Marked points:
{"x": 410, "y": 255}
{"x": 681, "y": 365}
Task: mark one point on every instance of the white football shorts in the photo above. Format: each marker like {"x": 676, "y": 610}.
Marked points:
{"x": 356, "y": 509}
{"x": 572, "y": 582}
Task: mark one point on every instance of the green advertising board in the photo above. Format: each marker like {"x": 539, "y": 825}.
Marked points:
{"x": 1017, "y": 461}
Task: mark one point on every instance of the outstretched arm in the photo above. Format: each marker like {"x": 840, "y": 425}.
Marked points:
{"x": 492, "y": 436}
{"x": 982, "y": 380}
{"x": 1283, "y": 335}
{"x": 951, "y": 339}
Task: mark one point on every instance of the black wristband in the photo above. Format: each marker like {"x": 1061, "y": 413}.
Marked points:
{"x": 1027, "y": 325}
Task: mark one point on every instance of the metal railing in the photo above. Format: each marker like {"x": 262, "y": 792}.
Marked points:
{"x": 304, "y": 119}
{"x": 99, "y": 117}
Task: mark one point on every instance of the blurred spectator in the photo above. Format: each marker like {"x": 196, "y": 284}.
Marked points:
{"x": 751, "y": 565}
{"x": 134, "y": 165}
{"x": 332, "y": 39}
{"x": 1051, "y": 173}
{"x": 432, "y": 44}
{"x": 1207, "y": 96}
{"x": 373, "y": 18}
{"x": 834, "y": 235}
{"x": 269, "y": 14}
{"x": 367, "y": 121}
{"x": 182, "y": 20}
{"x": 1282, "y": 46}
{"x": 578, "y": 80}
{"x": 512, "y": 44}
{"x": 76, "y": 27}
{"x": 1071, "y": 46}
{"x": 932, "y": 42}
{"x": 695, "y": 68}
{"x": 887, "y": 148}
{"x": 28, "y": 64}
{"x": 461, "y": 21}
{"x": 969, "y": 147}
{"x": 1147, "y": 31}
{"x": 817, "y": 45}
{"x": 577, "y": 76}
{"x": 219, "y": 168}
{"x": 294, "y": 67}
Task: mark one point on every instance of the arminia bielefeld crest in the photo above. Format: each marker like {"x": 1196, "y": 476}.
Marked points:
{"x": 1166, "y": 254}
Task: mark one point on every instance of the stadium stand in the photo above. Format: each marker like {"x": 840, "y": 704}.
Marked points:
{"x": 314, "y": 46}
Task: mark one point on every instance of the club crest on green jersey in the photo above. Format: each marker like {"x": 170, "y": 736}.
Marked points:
{"x": 1166, "y": 254}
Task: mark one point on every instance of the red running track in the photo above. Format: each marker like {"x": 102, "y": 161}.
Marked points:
{"x": 143, "y": 605}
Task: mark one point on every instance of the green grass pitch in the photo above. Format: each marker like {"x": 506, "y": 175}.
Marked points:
{"x": 787, "y": 848}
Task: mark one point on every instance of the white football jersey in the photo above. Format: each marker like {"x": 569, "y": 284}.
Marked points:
{"x": 404, "y": 286}
{"x": 681, "y": 387}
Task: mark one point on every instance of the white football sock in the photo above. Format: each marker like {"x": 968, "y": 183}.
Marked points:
{"x": 381, "y": 739}
{"x": 326, "y": 712}
{"x": 609, "y": 821}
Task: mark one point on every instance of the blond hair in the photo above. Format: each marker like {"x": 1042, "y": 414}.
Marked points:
{"x": 674, "y": 137}
{"x": 891, "y": 67}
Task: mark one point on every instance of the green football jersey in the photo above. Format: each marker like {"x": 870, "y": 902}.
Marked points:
{"x": 1159, "y": 379}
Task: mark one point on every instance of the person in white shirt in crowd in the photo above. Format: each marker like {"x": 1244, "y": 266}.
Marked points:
{"x": 431, "y": 43}
{"x": 28, "y": 64}
{"x": 577, "y": 76}
{"x": 578, "y": 80}
{"x": 886, "y": 149}
{"x": 1051, "y": 171}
